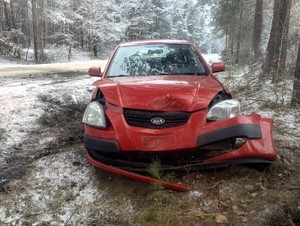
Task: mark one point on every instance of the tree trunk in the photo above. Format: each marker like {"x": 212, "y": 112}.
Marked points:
{"x": 13, "y": 22}
{"x": 81, "y": 36}
{"x": 95, "y": 48}
{"x": 71, "y": 30}
{"x": 231, "y": 39}
{"x": 257, "y": 28}
{"x": 296, "y": 89}
{"x": 42, "y": 30}
{"x": 276, "y": 50}
{"x": 12, "y": 15}
{"x": 239, "y": 35}
{"x": 7, "y": 19}
{"x": 34, "y": 32}
{"x": 24, "y": 25}
{"x": 1, "y": 16}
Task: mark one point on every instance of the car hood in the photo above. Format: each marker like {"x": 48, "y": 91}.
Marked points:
{"x": 164, "y": 93}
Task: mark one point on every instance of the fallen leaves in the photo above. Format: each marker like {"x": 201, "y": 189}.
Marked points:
{"x": 221, "y": 219}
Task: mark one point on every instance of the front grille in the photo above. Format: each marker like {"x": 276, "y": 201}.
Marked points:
{"x": 143, "y": 118}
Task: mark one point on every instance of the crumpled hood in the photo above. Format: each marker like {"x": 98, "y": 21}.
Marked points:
{"x": 164, "y": 93}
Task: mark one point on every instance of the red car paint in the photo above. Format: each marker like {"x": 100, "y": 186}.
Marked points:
{"x": 167, "y": 93}
{"x": 173, "y": 93}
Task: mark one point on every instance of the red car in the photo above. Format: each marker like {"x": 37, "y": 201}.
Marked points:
{"x": 159, "y": 100}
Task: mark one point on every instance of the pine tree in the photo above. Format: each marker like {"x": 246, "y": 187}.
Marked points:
{"x": 257, "y": 28}
{"x": 274, "y": 64}
{"x": 296, "y": 88}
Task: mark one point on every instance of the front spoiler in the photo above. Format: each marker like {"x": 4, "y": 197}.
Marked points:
{"x": 136, "y": 176}
{"x": 169, "y": 185}
{"x": 258, "y": 148}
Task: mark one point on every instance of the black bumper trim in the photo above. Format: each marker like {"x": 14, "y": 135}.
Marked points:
{"x": 101, "y": 144}
{"x": 144, "y": 166}
{"x": 249, "y": 131}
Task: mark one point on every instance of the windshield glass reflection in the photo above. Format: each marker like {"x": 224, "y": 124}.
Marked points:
{"x": 159, "y": 59}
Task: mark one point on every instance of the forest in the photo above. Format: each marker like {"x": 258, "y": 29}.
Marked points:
{"x": 244, "y": 31}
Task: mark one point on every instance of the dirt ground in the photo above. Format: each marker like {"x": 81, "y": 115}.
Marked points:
{"x": 45, "y": 178}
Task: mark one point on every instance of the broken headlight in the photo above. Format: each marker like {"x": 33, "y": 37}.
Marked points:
{"x": 224, "y": 110}
{"x": 94, "y": 115}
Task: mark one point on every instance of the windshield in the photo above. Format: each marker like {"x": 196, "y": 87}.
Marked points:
{"x": 156, "y": 59}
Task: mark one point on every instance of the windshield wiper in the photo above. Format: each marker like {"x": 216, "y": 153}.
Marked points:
{"x": 196, "y": 73}
{"x": 163, "y": 73}
{"x": 189, "y": 73}
{"x": 113, "y": 76}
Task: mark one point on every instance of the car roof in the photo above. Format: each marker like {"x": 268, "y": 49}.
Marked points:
{"x": 156, "y": 41}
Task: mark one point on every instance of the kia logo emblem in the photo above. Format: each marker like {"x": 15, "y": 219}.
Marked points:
{"x": 158, "y": 121}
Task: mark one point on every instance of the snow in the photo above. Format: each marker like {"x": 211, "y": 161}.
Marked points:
{"x": 16, "y": 112}
{"x": 53, "y": 54}
{"x": 263, "y": 97}
{"x": 56, "y": 54}
{"x": 81, "y": 66}
{"x": 195, "y": 195}
{"x": 211, "y": 58}
{"x": 4, "y": 62}
{"x": 21, "y": 105}
{"x": 54, "y": 192}
{"x": 59, "y": 189}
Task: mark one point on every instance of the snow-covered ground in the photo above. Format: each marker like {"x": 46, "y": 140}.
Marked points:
{"x": 263, "y": 97}
{"x": 81, "y": 66}
{"x": 53, "y": 55}
{"x": 4, "y": 62}
{"x": 58, "y": 189}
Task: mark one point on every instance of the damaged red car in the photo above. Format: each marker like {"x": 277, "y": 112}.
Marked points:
{"x": 159, "y": 100}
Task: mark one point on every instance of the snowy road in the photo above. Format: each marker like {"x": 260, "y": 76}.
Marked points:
{"x": 82, "y": 66}
{"x": 16, "y": 70}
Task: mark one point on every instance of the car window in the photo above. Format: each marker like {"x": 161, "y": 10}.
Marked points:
{"x": 158, "y": 59}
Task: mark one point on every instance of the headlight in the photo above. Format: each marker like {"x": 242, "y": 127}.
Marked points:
{"x": 94, "y": 115}
{"x": 224, "y": 109}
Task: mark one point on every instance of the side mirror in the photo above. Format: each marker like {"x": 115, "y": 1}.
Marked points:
{"x": 217, "y": 67}
{"x": 95, "y": 72}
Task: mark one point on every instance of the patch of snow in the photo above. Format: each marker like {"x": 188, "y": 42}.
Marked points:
{"x": 2, "y": 212}
{"x": 60, "y": 192}
{"x": 4, "y": 62}
{"x": 53, "y": 190}
{"x": 21, "y": 103}
{"x": 47, "y": 140}
{"x": 267, "y": 99}
{"x": 195, "y": 195}
{"x": 59, "y": 54}
{"x": 59, "y": 189}
{"x": 211, "y": 58}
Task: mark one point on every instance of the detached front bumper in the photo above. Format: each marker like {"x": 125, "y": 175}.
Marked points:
{"x": 132, "y": 146}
